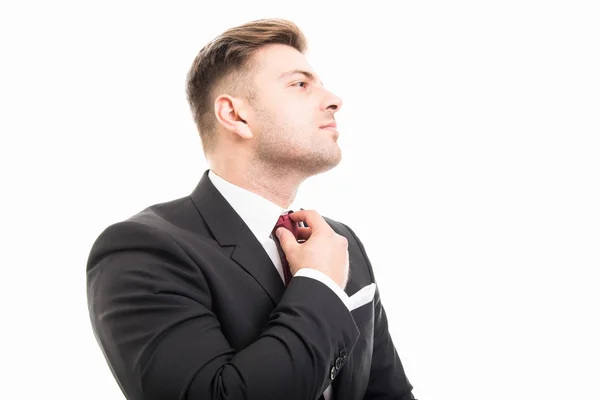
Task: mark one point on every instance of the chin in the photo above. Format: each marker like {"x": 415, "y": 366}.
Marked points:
{"x": 329, "y": 163}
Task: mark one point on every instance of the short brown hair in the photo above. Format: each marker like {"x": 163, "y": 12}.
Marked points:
{"x": 228, "y": 56}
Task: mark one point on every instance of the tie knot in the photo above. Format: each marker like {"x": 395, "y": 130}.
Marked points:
{"x": 286, "y": 222}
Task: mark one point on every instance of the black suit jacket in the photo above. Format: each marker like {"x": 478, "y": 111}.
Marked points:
{"x": 186, "y": 304}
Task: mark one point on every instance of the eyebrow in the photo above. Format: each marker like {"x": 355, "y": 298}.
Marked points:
{"x": 308, "y": 75}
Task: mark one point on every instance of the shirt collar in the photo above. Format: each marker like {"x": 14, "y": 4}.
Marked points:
{"x": 258, "y": 213}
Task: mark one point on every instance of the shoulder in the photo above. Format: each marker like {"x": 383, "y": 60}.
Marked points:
{"x": 148, "y": 229}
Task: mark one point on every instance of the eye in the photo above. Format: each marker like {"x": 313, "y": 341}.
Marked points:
{"x": 304, "y": 83}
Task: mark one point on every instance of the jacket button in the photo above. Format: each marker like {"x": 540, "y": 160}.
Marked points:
{"x": 333, "y": 373}
{"x": 338, "y": 363}
{"x": 343, "y": 354}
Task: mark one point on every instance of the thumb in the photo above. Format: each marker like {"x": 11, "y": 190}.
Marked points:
{"x": 286, "y": 238}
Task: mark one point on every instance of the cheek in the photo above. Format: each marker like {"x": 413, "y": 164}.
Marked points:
{"x": 298, "y": 115}
{"x": 287, "y": 116}
{"x": 288, "y": 113}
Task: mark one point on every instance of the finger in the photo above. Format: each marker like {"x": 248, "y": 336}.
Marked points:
{"x": 304, "y": 233}
{"x": 286, "y": 238}
{"x": 310, "y": 217}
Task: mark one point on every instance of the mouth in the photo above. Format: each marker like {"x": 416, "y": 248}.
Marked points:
{"x": 332, "y": 126}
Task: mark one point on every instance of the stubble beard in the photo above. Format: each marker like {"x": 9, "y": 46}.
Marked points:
{"x": 281, "y": 148}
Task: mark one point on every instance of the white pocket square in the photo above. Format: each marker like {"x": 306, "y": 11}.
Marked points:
{"x": 362, "y": 297}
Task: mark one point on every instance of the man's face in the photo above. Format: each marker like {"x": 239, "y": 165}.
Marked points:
{"x": 290, "y": 111}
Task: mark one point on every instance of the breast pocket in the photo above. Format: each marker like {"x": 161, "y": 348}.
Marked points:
{"x": 364, "y": 316}
{"x": 361, "y": 303}
{"x": 363, "y": 349}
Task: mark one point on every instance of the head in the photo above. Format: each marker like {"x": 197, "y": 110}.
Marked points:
{"x": 256, "y": 100}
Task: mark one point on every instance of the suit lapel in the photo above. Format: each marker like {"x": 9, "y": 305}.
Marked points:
{"x": 229, "y": 229}
{"x": 253, "y": 258}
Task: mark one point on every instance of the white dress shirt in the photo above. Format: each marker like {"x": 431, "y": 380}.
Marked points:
{"x": 261, "y": 215}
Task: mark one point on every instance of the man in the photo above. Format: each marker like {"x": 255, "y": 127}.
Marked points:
{"x": 195, "y": 299}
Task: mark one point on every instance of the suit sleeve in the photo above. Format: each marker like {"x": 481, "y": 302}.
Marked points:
{"x": 152, "y": 315}
{"x": 387, "y": 379}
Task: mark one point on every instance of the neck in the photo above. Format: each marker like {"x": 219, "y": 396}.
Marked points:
{"x": 277, "y": 185}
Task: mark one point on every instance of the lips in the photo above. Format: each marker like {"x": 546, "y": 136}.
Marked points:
{"x": 332, "y": 125}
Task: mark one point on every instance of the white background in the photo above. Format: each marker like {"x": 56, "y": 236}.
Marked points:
{"x": 471, "y": 127}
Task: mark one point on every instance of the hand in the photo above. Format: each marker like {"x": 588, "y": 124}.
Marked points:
{"x": 323, "y": 250}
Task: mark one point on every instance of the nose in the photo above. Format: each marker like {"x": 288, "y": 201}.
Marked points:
{"x": 332, "y": 102}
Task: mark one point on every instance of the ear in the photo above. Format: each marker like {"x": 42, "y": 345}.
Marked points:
{"x": 230, "y": 114}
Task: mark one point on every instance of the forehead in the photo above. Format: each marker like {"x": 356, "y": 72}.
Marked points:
{"x": 272, "y": 61}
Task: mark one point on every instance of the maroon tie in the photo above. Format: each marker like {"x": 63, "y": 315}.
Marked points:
{"x": 286, "y": 222}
